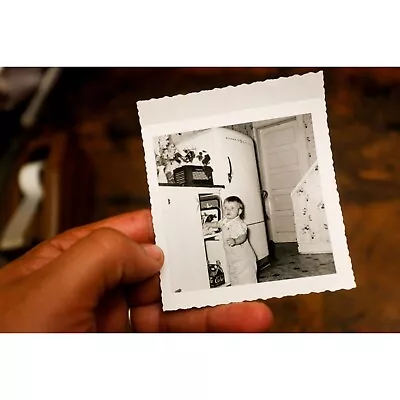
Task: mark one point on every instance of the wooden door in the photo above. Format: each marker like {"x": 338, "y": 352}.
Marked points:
{"x": 283, "y": 162}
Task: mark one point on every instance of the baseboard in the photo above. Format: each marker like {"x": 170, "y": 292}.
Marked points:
{"x": 314, "y": 248}
{"x": 263, "y": 263}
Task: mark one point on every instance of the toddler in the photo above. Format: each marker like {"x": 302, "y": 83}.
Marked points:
{"x": 240, "y": 255}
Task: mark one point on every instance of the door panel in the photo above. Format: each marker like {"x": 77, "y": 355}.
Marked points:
{"x": 284, "y": 180}
{"x": 281, "y": 201}
{"x": 287, "y": 222}
{"x": 279, "y": 137}
{"x": 283, "y": 158}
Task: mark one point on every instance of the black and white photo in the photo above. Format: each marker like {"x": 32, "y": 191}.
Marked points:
{"x": 244, "y": 204}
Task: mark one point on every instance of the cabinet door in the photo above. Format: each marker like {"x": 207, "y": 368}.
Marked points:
{"x": 185, "y": 253}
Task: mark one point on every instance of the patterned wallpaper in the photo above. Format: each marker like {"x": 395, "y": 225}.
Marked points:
{"x": 246, "y": 128}
{"x": 308, "y": 128}
{"x": 309, "y": 212}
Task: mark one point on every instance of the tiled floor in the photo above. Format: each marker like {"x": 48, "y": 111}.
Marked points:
{"x": 289, "y": 264}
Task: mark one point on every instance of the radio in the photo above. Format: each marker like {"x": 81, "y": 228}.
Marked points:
{"x": 193, "y": 175}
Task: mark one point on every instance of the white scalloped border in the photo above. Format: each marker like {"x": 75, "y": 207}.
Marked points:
{"x": 285, "y": 96}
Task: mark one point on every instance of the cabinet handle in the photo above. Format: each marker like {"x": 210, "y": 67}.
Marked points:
{"x": 264, "y": 194}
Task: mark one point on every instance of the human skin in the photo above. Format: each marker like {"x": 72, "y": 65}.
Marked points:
{"x": 86, "y": 280}
{"x": 237, "y": 241}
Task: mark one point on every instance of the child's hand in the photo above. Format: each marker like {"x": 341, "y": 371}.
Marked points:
{"x": 231, "y": 242}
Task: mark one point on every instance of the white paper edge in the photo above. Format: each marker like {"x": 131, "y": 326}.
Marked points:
{"x": 282, "y": 97}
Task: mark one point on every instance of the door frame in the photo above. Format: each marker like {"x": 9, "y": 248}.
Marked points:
{"x": 263, "y": 155}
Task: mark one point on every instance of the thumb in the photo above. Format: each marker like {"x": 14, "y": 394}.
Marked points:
{"x": 100, "y": 262}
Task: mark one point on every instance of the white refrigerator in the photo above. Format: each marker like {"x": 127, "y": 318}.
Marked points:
{"x": 238, "y": 172}
{"x": 233, "y": 159}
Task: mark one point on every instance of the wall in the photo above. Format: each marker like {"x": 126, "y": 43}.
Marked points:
{"x": 310, "y": 216}
{"x": 246, "y": 128}
{"x": 309, "y": 133}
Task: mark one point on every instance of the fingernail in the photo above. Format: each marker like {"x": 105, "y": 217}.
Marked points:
{"x": 154, "y": 251}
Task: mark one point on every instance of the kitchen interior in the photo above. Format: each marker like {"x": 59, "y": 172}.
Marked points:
{"x": 272, "y": 166}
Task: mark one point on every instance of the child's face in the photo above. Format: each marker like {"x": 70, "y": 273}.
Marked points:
{"x": 232, "y": 209}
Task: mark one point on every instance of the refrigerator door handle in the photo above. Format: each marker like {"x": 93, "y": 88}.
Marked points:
{"x": 230, "y": 171}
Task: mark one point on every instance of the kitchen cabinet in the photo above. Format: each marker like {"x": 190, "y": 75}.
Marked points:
{"x": 185, "y": 251}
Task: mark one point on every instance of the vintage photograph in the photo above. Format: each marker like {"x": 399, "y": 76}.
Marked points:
{"x": 258, "y": 201}
{"x": 245, "y": 209}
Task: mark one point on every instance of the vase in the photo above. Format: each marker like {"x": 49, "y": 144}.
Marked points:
{"x": 169, "y": 173}
{"x": 162, "y": 178}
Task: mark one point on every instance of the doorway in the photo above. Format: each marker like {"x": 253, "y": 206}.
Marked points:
{"x": 283, "y": 161}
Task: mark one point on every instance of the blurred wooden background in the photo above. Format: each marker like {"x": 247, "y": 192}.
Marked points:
{"x": 98, "y": 107}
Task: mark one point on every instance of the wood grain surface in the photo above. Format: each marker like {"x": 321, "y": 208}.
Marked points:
{"x": 99, "y": 106}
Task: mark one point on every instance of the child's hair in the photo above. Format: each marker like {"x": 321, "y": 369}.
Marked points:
{"x": 235, "y": 199}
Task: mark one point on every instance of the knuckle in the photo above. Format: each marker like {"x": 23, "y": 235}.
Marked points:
{"x": 109, "y": 239}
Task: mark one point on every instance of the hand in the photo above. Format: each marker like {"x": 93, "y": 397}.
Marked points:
{"x": 86, "y": 280}
{"x": 231, "y": 242}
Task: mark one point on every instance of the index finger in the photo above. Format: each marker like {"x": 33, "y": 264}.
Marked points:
{"x": 137, "y": 225}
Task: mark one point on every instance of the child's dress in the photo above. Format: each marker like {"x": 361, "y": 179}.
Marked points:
{"x": 241, "y": 258}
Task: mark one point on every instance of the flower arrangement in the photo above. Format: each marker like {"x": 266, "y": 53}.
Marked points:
{"x": 168, "y": 157}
